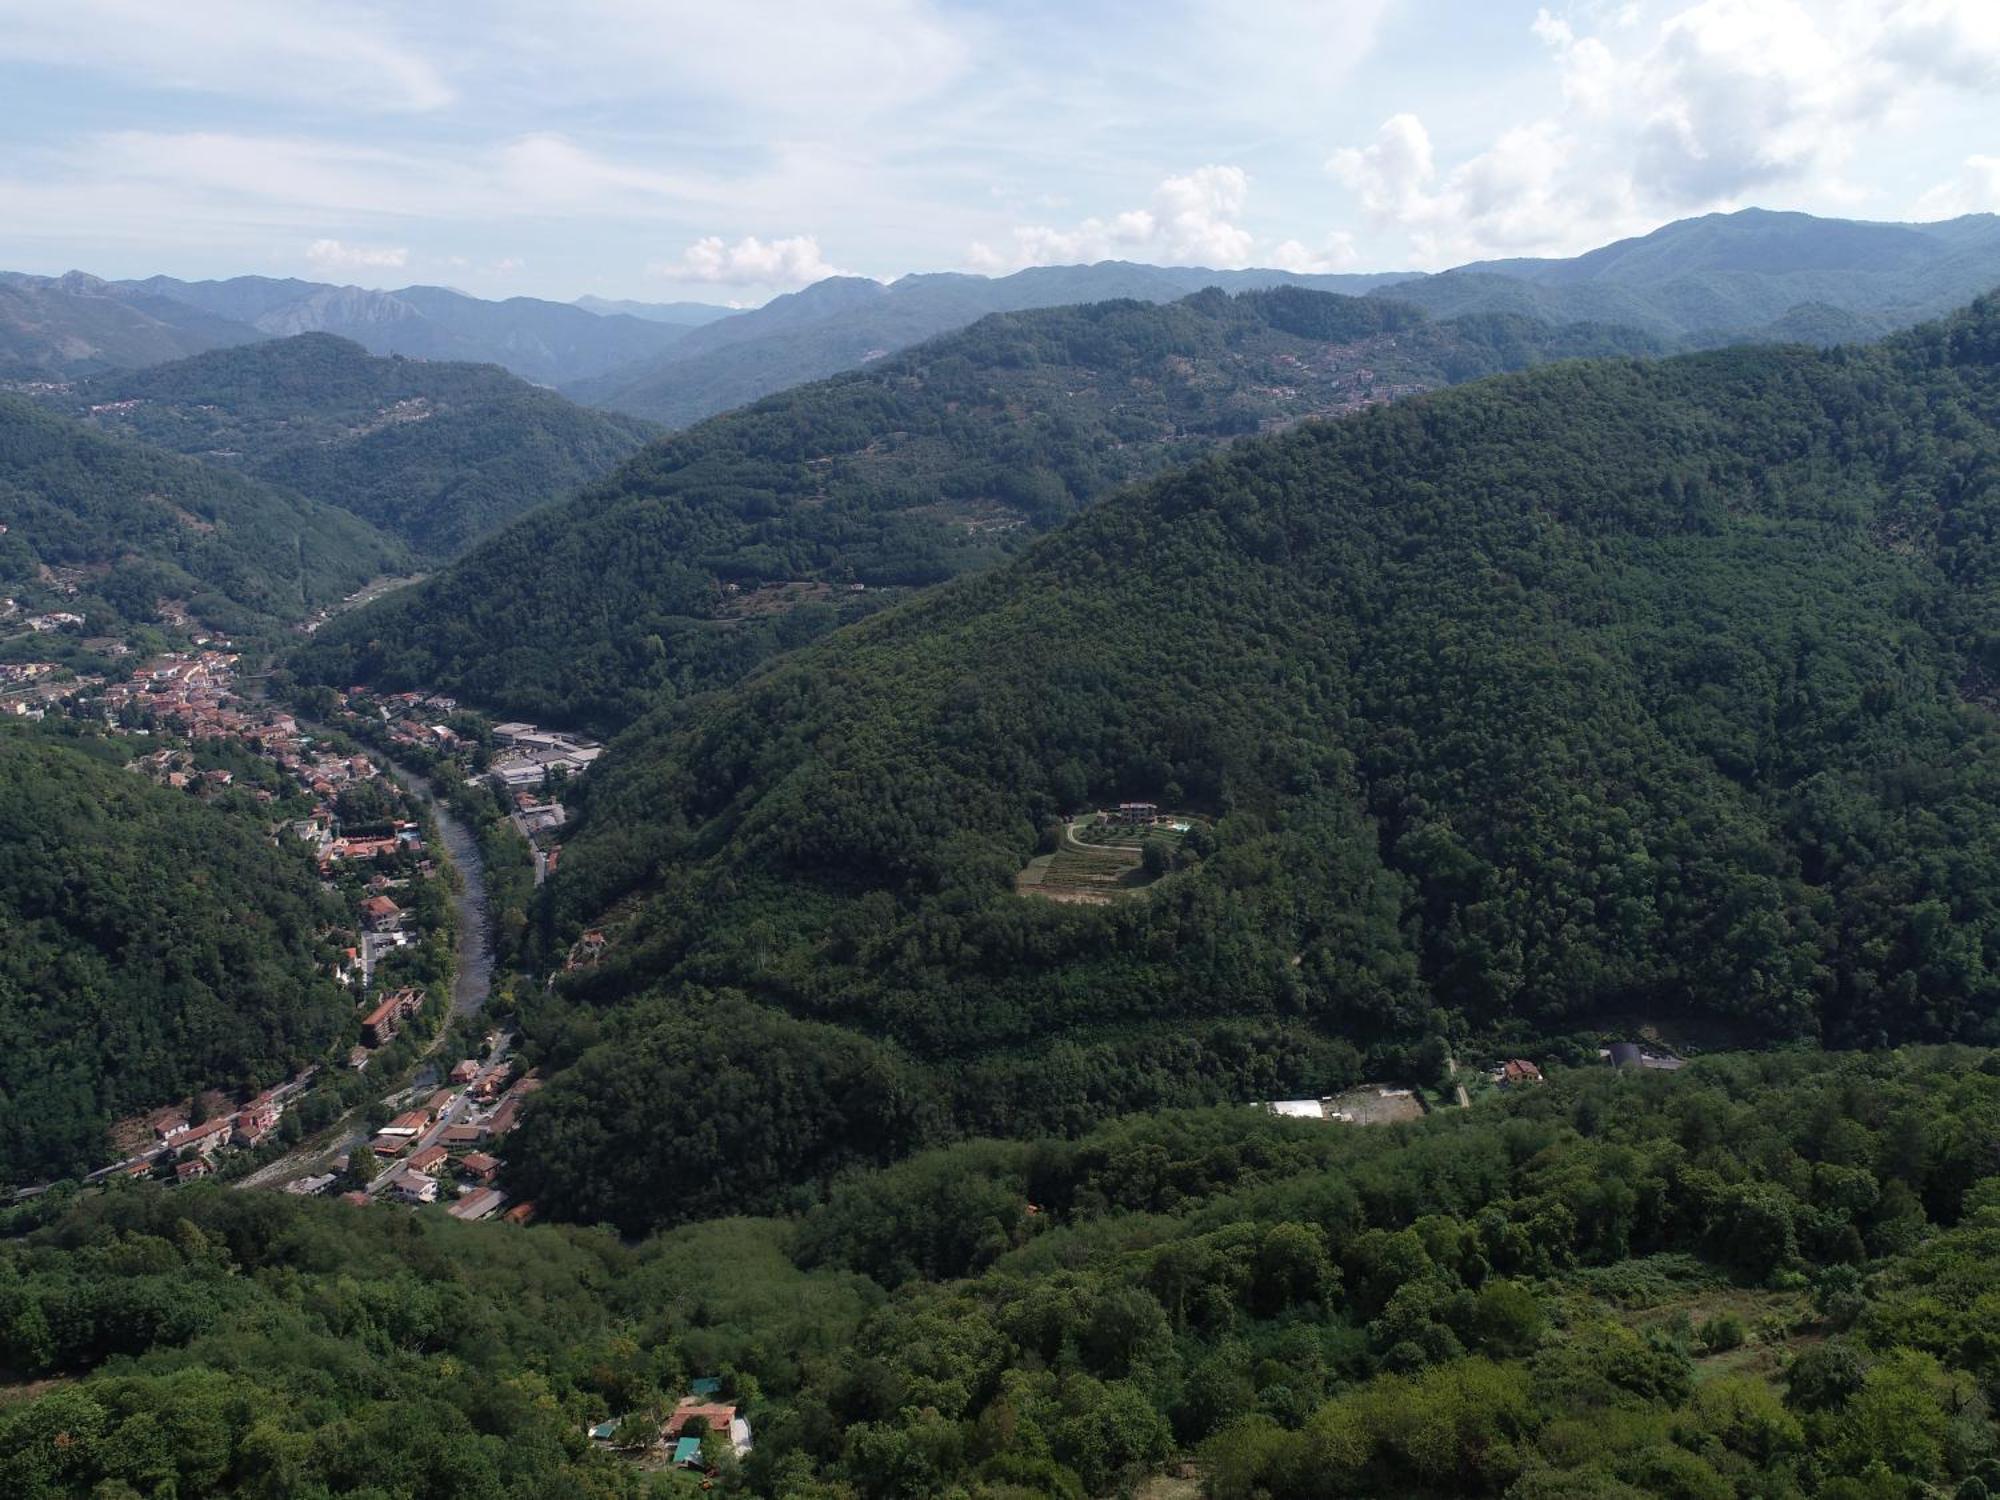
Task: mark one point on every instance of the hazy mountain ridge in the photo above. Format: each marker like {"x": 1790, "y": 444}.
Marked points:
{"x": 1721, "y": 278}
{"x": 56, "y": 328}
{"x": 550, "y": 343}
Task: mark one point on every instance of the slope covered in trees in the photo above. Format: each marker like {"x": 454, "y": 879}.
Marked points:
{"x": 845, "y": 322}
{"x": 1612, "y": 688}
{"x": 1751, "y": 274}
{"x": 438, "y": 454}
{"x": 114, "y": 527}
{"x": 666, "y": 578}
{"x": 150, "y": 945}
{"x": 1762, "y": 1278}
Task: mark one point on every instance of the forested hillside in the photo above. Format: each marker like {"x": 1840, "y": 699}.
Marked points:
{"x": 437, "y": 454}
{"x": 1749, "y": 275}
{"x": 845, "y": 322}
{"x": 150, "y": 945}
{"x": 763, "y": 529}
{"x": 108, "y": 528}
{"x": 1764, "y": 1277}
{"x": 1630, "y": 688}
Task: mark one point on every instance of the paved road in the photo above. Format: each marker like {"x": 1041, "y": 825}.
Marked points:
{"x": 471, "y": 986}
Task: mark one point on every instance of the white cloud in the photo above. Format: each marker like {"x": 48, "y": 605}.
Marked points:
{"x": 826, "y": 66}
{"x": 335, "y": 255}
{"x": 303, "y": 49}
{"x": 1336, "y": 253}
{"x": 1721, "y": 102}
{"x": 1190, "y": 220}
{"x": 792, "y": 262}
{"x": 1974, "y": 190}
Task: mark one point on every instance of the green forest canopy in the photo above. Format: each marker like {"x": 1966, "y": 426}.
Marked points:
{"x": 1613, "y": 688}
{"x": 921, "y": 467}
{"x": 151, "y": 945}
{"x": 135, "y": 525}
{"x": 436, "y": 453}
{"x": 1764, "y": 1277}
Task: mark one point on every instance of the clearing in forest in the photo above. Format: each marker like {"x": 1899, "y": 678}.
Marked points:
{"x": 1102, "y": 855}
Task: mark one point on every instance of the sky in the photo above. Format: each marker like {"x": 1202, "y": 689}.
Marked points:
{"x": 729, "y": 150}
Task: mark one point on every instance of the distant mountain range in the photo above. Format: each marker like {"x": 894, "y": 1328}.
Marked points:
{"x": 1752, "y": 276}
{"x": 433, "y": 451}
{"x": 1725, "y": 278}
{"x": 77, "y": 325}
{"x": 683, "y": 314}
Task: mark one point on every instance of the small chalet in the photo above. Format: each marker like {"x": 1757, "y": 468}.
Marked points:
{"x": 1517, "y": 1070}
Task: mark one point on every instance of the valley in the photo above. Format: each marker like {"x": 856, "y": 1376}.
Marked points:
{"x": 1247, "y": 885}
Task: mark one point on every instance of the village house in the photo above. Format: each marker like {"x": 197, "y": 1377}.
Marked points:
{"x": 207, "y": 1139}
{"x": 429, "y": 1160}
{"x": 720, "y": 1417}
{"x": 482, "y": 1204}
{"x": 1517, "y": 1070}
{"x": 463, "y": 1135}
{"x": 466, "y": 1071}
{"x": 506, "y": 1117}
{"x": 380, "y": 914}
{"x": 414, "y": 1187}
{"x": 187, "y": 1171}
{"x": 479, "y": 1166}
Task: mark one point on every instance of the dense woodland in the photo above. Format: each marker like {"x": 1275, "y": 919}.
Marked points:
{"x": 1616, "y": 689}
{"x": 1763, "y": 1277}
{"x": 125, "y": 526}
{"x": 919, "y": 468}
{"x": 151, "y": 944}
{"x": 435, "y": 453}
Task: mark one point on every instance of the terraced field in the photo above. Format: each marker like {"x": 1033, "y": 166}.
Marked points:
{"x": 1094, "y": 877}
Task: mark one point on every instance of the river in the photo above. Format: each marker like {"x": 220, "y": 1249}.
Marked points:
{"x": 471, "y": 985}
{"x": 473, "y": 981}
